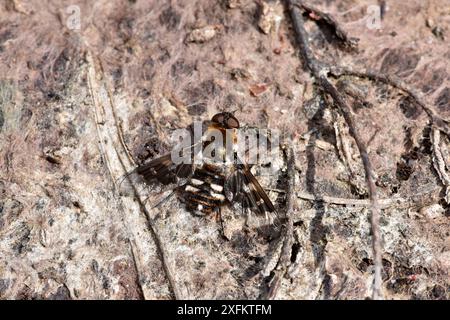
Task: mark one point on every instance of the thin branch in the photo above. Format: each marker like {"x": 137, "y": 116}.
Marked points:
{"x": 343, "y": 144}
{"x": 423, "y": 198}
{"x": 341, "y": 34}
{"x": 320, "y": 72}
{"x": 117, "y": 121}
{"x": 438, "y": 124}
{"x": 162, "y": 252}
{"x": 160, "y": 249}
{"x": 284, "y": 260}
{"x": 136, "y": 266}
{"x": 395, "y": 82}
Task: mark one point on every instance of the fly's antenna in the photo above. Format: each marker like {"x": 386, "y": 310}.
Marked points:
{"x": 164, "y": 199}
{"x": 233, "y": 112}
{"x": 121, "y": 179}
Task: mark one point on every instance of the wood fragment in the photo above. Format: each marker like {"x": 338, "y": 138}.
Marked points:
{"x": 439, "y": 162}
{"x": 204, "y": 34}
{"x": 258, "y": 89}
{"x": 270, "y": 17}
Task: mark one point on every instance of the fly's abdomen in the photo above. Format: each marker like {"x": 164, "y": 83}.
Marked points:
{"x": 204, "y": 192}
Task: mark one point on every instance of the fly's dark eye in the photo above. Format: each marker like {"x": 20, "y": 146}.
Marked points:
{"x": 232, "y": 122}
{"x": 218, "y": 118}
{"x": 226, "y": 119}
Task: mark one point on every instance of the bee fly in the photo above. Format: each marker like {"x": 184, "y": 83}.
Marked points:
{"x": 207, "y": 186}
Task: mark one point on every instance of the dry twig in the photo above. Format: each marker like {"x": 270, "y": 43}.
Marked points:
{"x": 123, "y": 160}
{"x": 395, "y": 82}
{"x": 320, "y": 71}
{"x": 284, "y": 260}
{"x": 422, "y": 198}
{"x": 316, "y": 14}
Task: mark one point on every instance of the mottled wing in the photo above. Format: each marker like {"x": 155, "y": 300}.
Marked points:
{"x": 203, "y": 192}
{"x": 163, "y": 170}
{"x": 241, "y": 186}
